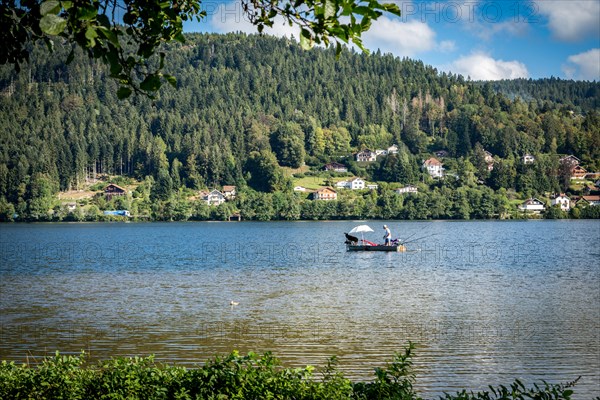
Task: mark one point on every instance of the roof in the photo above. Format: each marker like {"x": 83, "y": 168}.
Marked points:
{"x": 591, "y": 198}
{"x": 116, "y": 186}
{"x": 335, "y": 165}
{"x": 326, "y": 189}
{"x": 228, "y": 188}
{"x": 533, "y": 201}
{"x": 432, "y": 161}
{"x": 355, "y": 179}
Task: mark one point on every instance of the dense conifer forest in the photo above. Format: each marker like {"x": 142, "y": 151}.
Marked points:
{"x": 262, "y": 114}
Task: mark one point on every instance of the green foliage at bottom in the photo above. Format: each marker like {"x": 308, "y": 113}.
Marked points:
{"x": 231, "y": 377}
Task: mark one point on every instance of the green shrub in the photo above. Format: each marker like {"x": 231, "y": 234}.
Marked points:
{"x": 230, "y": 377}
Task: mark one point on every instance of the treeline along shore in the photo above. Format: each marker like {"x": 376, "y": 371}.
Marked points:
{"x": 294, "y": 133}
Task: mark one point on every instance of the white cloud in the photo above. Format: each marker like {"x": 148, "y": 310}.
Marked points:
{"x": 487, "y": 30}
{"x": 480, "y": 66}
{"x": 572, "y": 20}
{"x": 584, "y": 66}
{"x": 400, "y": 38}
{"x": 447, "y": 46}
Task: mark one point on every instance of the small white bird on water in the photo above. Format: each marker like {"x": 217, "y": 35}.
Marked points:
{"x": 234, "y": 303}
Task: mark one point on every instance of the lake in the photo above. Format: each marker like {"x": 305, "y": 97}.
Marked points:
{"x": 484, "y": 301}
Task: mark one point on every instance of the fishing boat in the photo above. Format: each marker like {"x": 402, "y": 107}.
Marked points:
{"x": 354, "y": 244}
{"x": 380, "y": 247}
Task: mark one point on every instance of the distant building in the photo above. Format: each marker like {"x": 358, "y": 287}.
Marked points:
{"x": 433, "y": 167}
{"x": 570, "y": 160}
{"x": 336, "y": 167}
{"x": 578, "y": 172}
{"x": 213, "y": 198}
{"x": 300, "y": 189}
{"x": 113, "y": 190}
{"x": 393, "y": 149}
{"x": 407, "y": 189}
{"x": 353, "y": 184}
{"x": 372, "y": 186}
{"x": 489, "y": 160}
{"x": 326, "y": 193}
{"x": 562, "y": 200}
{"x": 528, "y": 159}
{"x": 229, "y": 191}
{"x": 441, "y": 153}
{"x": 593, "y": 200}
{"x": 381, "y": 152}
{"x": 366, "y": 155}
{"x": 532, "y": 205}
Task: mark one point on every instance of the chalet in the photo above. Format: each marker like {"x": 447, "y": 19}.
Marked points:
{"x": 381, "y": 152}
{"x": 407, "y": 189}
{"x": 366, "y": 155}
{"x": 113, "y": 190}
{"x": 336, "y": 167}
{"x": 433, "y": 167}
{"x": 570, "y": 160}
{"x": 533, "y": 206}
{"x": 353, "y": 184}
{"x": 562, "y": 201}
{"x": 326, "y": 193}
{"x": 229, "y": 192}
{"x": 393, "y": 149}
{"x": 578, "y": 172}
{"x": 528, "y": 159}
{"x": 372, "y": 186}
{"x": 213, "y": 198}
{"x": 592, "y": 200}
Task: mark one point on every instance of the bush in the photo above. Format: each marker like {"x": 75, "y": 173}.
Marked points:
{"x": 230, "y": 377}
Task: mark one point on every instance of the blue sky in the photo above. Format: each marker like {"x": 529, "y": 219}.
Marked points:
{"x": 482, "y": 39}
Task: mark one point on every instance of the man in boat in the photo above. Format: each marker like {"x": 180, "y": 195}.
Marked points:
{"x": 387, "y": 236}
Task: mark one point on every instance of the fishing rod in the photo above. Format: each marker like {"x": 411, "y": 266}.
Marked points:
{"x": 419, "y": 238}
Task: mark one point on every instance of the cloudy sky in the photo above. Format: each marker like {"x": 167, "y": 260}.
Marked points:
{"x": 478, "y": 38}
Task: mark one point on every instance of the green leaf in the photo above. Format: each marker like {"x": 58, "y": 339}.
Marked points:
{"x": 330, "y": 8}
{"x": 52, "y": 24}
{"x": 305, "y": 40}
{"x": 151, "y": 83}
{"x": 123, "y": 92}
{"x": 66, "y": 4}
{"x": 392, "y": 8}
{"x": 49, "y": 7}
{"x": 91, "y": 35}
{"x": 86, "y": 13}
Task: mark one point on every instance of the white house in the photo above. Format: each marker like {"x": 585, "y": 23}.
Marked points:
{"x": 381, "y": 152}
{"x": 353, "y": 184}
{"x": 213, "y": 198}
{"x": 532, "y": 205}
{"x": 407, "y": 189}
{"x": 393, "y": 149}
{"x": 433, "y": 167}
{"x": 366, "y": 155}
{"x": 562, "y": 200}
{"x": 528, "y": 159}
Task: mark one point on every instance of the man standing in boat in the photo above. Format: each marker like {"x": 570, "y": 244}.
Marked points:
{"x": 387, "y": 236}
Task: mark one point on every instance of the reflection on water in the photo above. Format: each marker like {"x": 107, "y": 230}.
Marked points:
{"x": 485, "y": 302}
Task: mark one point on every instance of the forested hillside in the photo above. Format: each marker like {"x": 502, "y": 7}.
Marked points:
{"x": 248, "y": 105}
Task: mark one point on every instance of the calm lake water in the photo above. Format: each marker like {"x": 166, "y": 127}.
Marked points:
{"x": 485, "y": 302}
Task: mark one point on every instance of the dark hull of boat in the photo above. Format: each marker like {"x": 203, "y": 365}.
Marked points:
{"x": 399, "y": 248}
